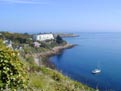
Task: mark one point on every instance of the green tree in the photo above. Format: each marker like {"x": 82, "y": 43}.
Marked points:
{"x": 13, "y": 73}
{"x": 59, "y": 39}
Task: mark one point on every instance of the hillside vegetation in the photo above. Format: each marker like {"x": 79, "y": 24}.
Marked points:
{"x": 13, "y": 74}
{"x": 21, "y": 73}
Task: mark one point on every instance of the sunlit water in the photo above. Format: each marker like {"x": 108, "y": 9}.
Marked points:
{"x": 102, "y": 49}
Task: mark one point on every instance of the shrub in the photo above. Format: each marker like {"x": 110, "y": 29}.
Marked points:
{"x": 59, "y": 39}
{"x": 13, "y": 73}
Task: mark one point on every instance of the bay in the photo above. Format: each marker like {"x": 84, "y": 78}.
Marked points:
{"x": 93, "y": 48}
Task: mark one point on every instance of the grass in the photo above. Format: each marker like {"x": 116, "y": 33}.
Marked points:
{"x": 42, "y": 78}
{"x": 51, "y": 80}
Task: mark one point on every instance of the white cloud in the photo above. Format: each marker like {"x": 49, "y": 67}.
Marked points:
{"x": 23, "y": 1}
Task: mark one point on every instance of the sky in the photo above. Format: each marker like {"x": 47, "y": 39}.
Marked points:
{"x": 60, "y": 15}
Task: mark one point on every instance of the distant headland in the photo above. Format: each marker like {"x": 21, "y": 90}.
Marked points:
{"x": 63, "y": 35}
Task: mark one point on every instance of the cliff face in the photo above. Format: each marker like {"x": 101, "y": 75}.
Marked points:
{"x": 41, "y": 75}
{"x": 42, "y": 57}
{"x": 44, "y": 76}
{"x": 49, "y": 78}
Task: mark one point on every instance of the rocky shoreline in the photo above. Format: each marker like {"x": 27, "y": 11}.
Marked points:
{"x": 43, "y": 57}
{"x": 56, "y": 50}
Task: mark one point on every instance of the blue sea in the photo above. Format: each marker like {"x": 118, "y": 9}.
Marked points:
{"x": 102, "y": 49}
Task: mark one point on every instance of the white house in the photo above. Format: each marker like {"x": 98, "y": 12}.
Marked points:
{"x": 43, "y": 37}
{"x": 36, "y": 44}
{"x": 8, "y": 43}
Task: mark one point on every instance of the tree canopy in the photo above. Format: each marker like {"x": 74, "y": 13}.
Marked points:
{"x": 59, "y": 39}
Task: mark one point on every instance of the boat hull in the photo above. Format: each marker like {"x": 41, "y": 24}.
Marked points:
{"x": 96, "y": 71}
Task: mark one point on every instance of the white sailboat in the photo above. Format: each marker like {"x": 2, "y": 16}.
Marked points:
{"x": 96, "y": 70}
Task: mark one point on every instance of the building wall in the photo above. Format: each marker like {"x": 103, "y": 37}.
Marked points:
{"x": 43, "y": 37}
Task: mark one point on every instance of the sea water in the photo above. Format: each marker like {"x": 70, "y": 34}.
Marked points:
{"x": 92, "y": 50}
